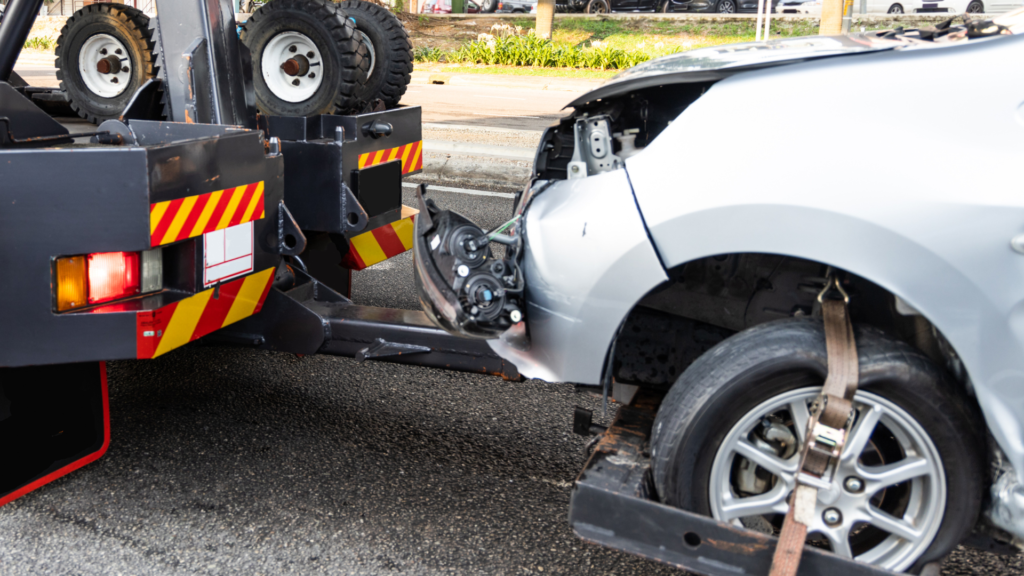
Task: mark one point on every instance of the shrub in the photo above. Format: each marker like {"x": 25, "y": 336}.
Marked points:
{"x": 518, "y": 49}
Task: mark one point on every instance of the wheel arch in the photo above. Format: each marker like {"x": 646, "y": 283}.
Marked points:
{"x": 965, "y": 312}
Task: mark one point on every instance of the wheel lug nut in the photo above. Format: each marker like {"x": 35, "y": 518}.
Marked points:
{"x": 310, "y": 55}
{"x": 114, "y": 79}
{"x": 295, "y": 82}
{"x": 125, "y": 70}
{"x": 853, "y": 484}
{"x": 832, "y": 516}
{"x": 118, "y": 51}
{"x": 312, "y": 74}
{"x": 103, "y": 51}
{"x": 293, "y": 49}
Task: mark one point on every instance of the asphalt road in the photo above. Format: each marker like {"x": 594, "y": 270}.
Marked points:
{"x": 233, "y": 461}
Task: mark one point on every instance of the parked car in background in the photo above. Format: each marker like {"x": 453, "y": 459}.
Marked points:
{"x": 813, "y": 7}
{"x": 986, "y": 6}
{"x": 520, "y": 6}
{"x": 720, "y": 6}
{"x": 445, "y": 7}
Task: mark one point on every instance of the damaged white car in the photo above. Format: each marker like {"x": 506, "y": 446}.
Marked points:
{"x": 669, "y": 243}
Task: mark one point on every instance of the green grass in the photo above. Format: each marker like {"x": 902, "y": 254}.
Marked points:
{"x": 599, "y": 44}
{"x": 529, "y": 71}
{"x": 40, "y": 43}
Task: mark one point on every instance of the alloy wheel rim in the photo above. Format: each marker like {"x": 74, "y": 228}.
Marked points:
{"x": 292, "y": 67}
{"x": 889, "y": 522}
{"x": 105, "y": 66}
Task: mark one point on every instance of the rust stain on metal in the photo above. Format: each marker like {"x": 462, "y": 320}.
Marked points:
{"x": 747, "y": 549}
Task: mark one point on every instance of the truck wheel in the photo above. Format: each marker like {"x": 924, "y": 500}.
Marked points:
{"x": 306, "y": 58}
{"x": 104, "y": 54}
{"x": 390, "y": 51}
{"x": 908, "y": 489}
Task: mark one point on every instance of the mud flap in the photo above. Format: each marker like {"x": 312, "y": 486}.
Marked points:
{"x": 53, "y": 420}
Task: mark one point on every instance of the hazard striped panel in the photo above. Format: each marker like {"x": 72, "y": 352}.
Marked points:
{"x": 410, "y": 155}
{"x": 382, "y": 243}
{"x": 177, "y": 220}
{"x": 164, "y": 329}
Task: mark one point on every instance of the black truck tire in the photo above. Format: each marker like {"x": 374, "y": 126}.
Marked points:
{"x": 390, "y": 50}
{"x": 711, "y": 404}
{"x": 331, "y": 64}
{"x": 86, "y": 59}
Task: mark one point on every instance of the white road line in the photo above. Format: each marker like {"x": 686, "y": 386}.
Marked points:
{"x": 462, "y": 190}
{"x": 503, "y": 115}
{"x": 499, "y": 97}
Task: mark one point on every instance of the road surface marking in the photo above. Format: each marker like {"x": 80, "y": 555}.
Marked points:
{"x": 462, "y": 190}
{"x": 503, "y": 115}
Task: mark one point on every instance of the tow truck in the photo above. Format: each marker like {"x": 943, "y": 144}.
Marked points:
{"x": 192, "y": 215}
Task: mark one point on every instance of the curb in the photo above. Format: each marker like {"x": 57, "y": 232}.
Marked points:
{"x": 506, "y": 81}
{"x": 504, "y": 175}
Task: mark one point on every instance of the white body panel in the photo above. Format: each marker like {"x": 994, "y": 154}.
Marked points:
{"x": 927, "y": 214}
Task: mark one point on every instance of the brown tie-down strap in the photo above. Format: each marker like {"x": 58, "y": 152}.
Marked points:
{"x": 831, "y": 416}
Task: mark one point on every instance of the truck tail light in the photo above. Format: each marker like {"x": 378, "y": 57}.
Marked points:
{"x": 113, "y": 275}
{"x": 71, "y": 279}
{"x": 106, "y": 276}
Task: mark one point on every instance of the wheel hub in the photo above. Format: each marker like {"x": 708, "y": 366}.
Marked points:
{"x": 104, "y": 66}
{"x": 292, "y": 67}
{"x": 887, "y": 493}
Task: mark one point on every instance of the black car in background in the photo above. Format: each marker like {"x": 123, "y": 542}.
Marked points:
{"x": 606, "y": 6}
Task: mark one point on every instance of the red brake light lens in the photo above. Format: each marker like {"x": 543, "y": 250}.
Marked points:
{"x": 113, "y": 275}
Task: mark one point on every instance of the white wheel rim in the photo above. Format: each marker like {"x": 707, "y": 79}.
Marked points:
{"x": 369, "y": 48}
{"x": 103, "y": 50}
{"x": 921, "y": 467}
{"x": 298, "y": 47}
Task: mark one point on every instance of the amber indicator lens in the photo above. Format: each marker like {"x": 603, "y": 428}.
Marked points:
{"x": 71, "y": 280}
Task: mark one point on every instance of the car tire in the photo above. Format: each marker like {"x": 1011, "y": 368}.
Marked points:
{"x": 704, "y": 413}
{"x": 598, "y": 7}
{"x": 666, "y": 7}
{"x": 895, "y": 9}
{"x": 389, "y": 48}
{"x": 321, "y": 28}
{"x": 488, "y": 6}
{"x": 726, "y": 7}
{"x": 975, "y": 7}
{"x": 96, "y": 32}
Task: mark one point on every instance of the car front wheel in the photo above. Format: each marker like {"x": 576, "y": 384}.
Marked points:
{"x": 908, "y": 484}
{"x": 726, "y": 7}
{"x": 598, "y": 7}
{"x": 975, "y": 7}
{"x": 895, "y": 9}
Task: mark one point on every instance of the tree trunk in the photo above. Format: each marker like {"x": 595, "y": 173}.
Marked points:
{"x": 545, "y": 18}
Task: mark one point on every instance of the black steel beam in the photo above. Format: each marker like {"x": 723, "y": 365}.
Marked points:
{"x": 355, "y": 328}
{"x": 14, "y": 30}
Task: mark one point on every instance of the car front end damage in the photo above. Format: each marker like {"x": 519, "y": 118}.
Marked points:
{"x": 578, "y": 255}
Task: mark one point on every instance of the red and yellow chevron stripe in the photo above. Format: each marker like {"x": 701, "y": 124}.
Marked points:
{"x": 382, "y": 243}
{"x": 410, "y": 154}
{"x": 164, "y": 329}
{"x": 188, "y": 217}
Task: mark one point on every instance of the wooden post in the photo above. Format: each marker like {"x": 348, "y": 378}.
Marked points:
{"x": 546, "y": 18}
{"x": 831, "y": 18}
